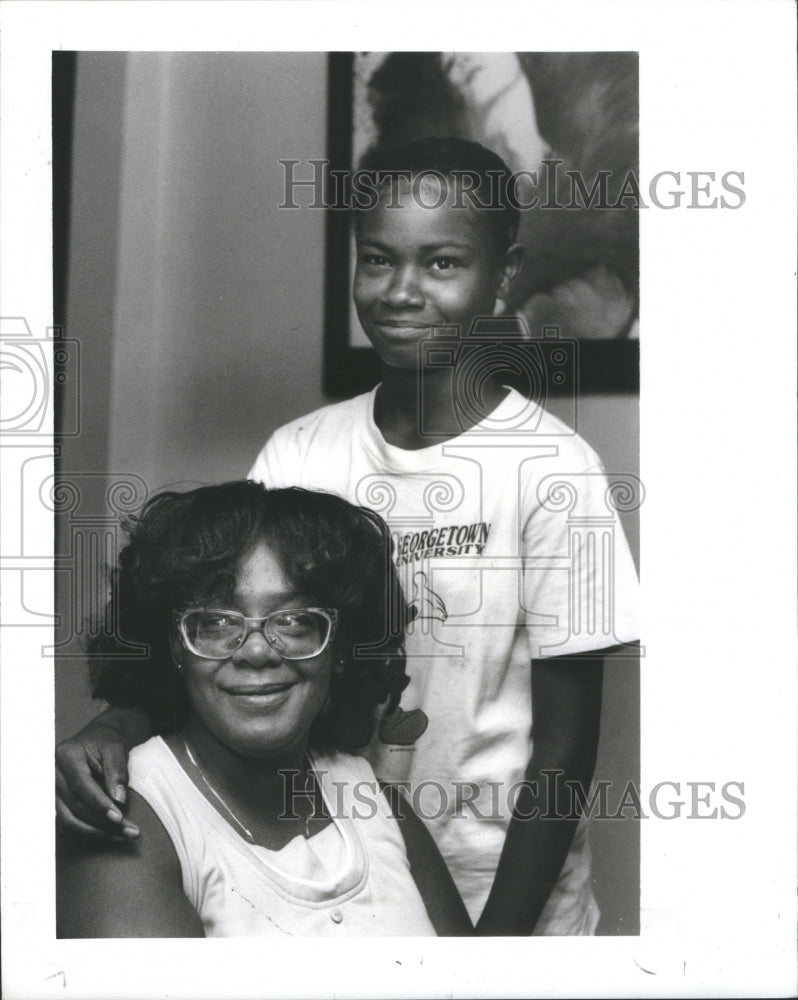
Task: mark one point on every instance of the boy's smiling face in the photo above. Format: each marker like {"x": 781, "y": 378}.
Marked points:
{"x": 419, "y": 268}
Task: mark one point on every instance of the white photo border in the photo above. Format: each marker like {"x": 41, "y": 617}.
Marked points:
{"x": 718, "y": 463}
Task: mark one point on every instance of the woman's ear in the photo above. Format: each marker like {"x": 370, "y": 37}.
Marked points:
{"x": 176, "y": 646}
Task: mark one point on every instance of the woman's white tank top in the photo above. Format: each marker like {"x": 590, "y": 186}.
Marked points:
{"x": 351, "y": 879}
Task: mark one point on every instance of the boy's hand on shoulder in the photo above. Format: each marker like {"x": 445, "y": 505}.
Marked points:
{"x": 90, "y": 779}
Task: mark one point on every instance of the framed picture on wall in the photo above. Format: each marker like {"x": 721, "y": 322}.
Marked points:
{"x": 567, "y": 126}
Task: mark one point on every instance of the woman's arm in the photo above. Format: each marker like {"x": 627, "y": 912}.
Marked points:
{"x": 439, "y": 894}
{"x": 109, "y": 890}
{"x": 91, "y": 774}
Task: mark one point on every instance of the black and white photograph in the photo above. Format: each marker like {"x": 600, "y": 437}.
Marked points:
{"x": 515, "y": 577}
{"x": 377, "y": 539}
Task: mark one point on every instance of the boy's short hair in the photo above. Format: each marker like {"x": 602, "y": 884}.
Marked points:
{"x": 485, "y": 179}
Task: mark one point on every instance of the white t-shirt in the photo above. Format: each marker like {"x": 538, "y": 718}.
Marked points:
{"x": 350, "y": 879}
{"x": 509, "y": 549}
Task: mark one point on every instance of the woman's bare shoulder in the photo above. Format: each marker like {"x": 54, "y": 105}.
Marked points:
{"x": 131, "y": 889}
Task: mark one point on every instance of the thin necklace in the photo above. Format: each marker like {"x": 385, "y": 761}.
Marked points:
{"x": 229, "y": 811}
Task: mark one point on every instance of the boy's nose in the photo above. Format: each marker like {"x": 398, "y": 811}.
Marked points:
{"x": 404, "y": 289}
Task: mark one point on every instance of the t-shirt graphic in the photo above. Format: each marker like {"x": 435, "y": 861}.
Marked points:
{"x": 425, "y": 603}
{"x": 401, "y": 728}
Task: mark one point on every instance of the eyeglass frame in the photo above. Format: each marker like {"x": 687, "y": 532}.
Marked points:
{"x": 331, "y": 614}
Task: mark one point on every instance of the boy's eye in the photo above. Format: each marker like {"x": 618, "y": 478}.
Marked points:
{"x": 444, "y": 264}
{"x": 374, "y": 259}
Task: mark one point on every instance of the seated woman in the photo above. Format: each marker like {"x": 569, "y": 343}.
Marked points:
{"x": 269, "y": 626}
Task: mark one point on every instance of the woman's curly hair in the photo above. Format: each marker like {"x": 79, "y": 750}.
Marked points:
{"x": 183, "y": 550}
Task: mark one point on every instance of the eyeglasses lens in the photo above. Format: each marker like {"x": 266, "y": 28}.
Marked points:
{"x": 294, "y": 634}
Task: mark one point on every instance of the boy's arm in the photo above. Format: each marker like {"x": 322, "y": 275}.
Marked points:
{"x": 91, "y": 774}
{"x": 130, "y": 890}
{"x": 566, "y": 694}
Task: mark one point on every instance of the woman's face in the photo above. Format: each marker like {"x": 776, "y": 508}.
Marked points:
{"x": 256, "y": 703}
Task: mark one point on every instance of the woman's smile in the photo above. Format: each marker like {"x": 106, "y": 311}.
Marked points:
{"x": 261, "y": 695}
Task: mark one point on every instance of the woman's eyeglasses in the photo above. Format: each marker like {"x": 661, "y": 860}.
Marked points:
{"x": 296, "y": 633}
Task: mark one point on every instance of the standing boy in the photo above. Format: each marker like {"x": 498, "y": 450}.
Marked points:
{"x": 514, "y": 565}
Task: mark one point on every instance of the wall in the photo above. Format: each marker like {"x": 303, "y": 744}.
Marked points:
{"x": 91, "y": 295}
{"x": 199, "y": 307}
{"x": 611, "y": 425}
{"x": 210, "y": 269}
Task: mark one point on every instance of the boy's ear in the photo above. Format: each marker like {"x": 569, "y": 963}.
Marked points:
{"x": 511, "y": 265}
